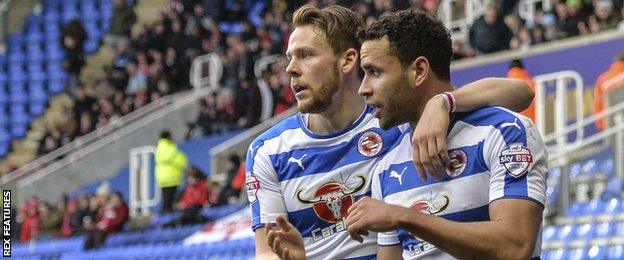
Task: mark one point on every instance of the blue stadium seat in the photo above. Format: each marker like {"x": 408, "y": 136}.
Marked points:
{"x": 4, "y": 136}
{"x": 18, "y": 98}
{"x": 594, "y": 207}
{"x": 17, "y": 57}
{"x": 91, "y": 46}
{"x": 603, "y": 229}
{"x": 555, "y": 254}
{"x": 4, "y": 98}
{"x": 575, "y": 170}
{"x": 51, "y": 17}
{"x": 566, "y": 232}
{"x": 590, "y": 167}
{"x": 16, "y": 39}
{"x": 37, "y": 76}
{"x": 612, "y": 206}
{"x": 35, "y": 57}
{"x": 615, "y": 252}
{"x": 4, "y": 149}
{"x": 576, "y": 253}
{"x": 596, "y": 252}
{"x": 576, "y": 209}
{"x": 18, "y": 130}
{"x": 36, "y": 108}
{"x": 585, "y": 231}
{"x": 34, "y": 38}
{"x": 619, "y": 228}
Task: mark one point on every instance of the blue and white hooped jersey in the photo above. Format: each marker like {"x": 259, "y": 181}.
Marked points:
{"x": 495, "y": 154}
{"x": 314, "y": 179}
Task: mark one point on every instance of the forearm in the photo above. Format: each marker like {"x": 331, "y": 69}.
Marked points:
{"x": 513, "y": 94}
{"x": 474, "y": 240}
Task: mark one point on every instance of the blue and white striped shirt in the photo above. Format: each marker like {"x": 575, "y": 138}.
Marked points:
{"x": 495, "y": 154}
{"x": 313, "y": 180}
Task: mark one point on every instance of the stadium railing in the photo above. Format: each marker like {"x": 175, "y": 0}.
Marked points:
{"x": 613, "y": 135}
{"x": 460, "y": 26}
{"x": 561, "y": 81}
{"x": 527, "y": 8}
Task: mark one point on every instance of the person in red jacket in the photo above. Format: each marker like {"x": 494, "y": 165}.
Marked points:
{"x": 111, "y": 219}
{"x": 31, "y": 220}
{"x": 194, "y": 198}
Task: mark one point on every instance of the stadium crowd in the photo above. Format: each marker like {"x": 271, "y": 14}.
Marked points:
{"x": 156, "y": 60}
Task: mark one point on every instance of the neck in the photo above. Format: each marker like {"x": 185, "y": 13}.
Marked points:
{"x": 428, "y": 91}
{"x": 339, "y": 114}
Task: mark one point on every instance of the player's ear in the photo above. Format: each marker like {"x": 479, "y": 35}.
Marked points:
{"x": 349, "y": 60}
{"x": 418, "y": 71}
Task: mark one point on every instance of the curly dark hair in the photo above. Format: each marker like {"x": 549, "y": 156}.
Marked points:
{"x": 414, "y": 33}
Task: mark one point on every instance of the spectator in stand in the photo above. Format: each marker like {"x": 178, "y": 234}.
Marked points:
{"x": 228, "y": 113}
{"x": 570, "y": 17}
{"x": 608, "y": 81}
{"x": 517, "y": 71}
{"x": 136, "y": 79}
{"x": 67, "y": 230}
{"x": 121, "y": 24}
{"x": 51, "y": 219}
{"x": 233, "y": 185}
{"x": 110, "y": 219}
{"x": 80, "y": 215}
{"x": 206, "y": 115}
{"x": 194, "y": 198}
{"x": 170, "y": 163}
{"x": 489, "y": 33}
{"x": 249, "y": 94}
{"x": 30, "y": 220}
{"x": 117, "y": 75}
{"x": 74, "y": 60}
{"x": 83, "y": 103}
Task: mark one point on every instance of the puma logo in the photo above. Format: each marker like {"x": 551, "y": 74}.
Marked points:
{"x": 398, "y": 176}
{"x": 515, "y": 123}
{"x": 297, "y": 161}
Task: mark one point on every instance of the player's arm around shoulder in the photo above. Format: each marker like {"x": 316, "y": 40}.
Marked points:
{"x": 513, "y": 94}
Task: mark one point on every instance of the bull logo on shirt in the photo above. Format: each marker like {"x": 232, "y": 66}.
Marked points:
{"x": 432, "y": 207}
{"x": 332, "y": 200}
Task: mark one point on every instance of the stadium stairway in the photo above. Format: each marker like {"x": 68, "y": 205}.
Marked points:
{"x": 100, "y": 10}
{"x": 147, "y": 13}
{"x": 34, "y": 74}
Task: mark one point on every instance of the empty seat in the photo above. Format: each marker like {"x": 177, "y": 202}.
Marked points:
{"x": 619, "y": 228}
{"x": 585, "y": 231}
{"x": 566, "y": 232}
{"x": 576, "y": 253}
{"x": 596, "y": 252}
{"x": 603, "y": 229}
{"x": 594, "y": 207}
{"x": 615, "y": 252}
{"x": 556, "y": 254}
{"x": 576, "y": 209}
{"x": 612, "y": 206}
